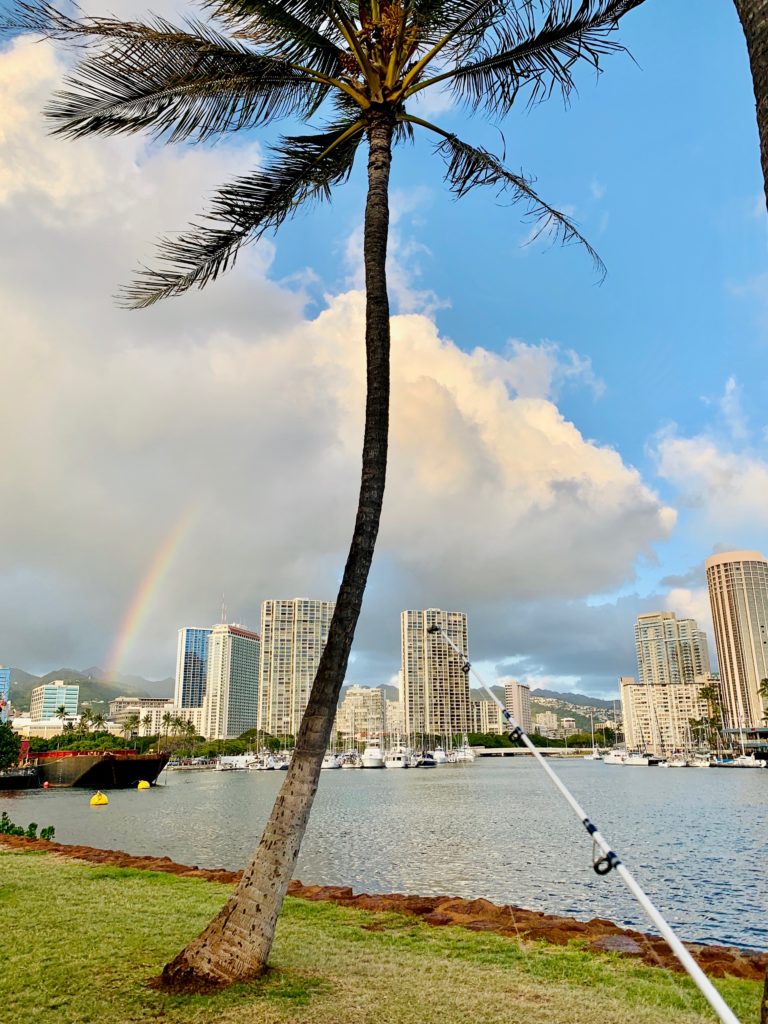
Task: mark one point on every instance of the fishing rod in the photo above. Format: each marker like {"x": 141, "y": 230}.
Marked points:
{"x": 609, "y": 860}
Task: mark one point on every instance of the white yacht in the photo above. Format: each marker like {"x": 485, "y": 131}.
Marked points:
{"x": 330, "y": 761}
{"x": 397, "y": 758}
{"x": 463, "y": 754}
{"x": 439, "y": 755}
{"x": 373, "y": 756}
{"x": 615, "y": 756}
{"x": 747, "y": 761}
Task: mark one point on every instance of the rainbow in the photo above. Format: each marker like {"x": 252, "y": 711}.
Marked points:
{"x": 145, "y": 592}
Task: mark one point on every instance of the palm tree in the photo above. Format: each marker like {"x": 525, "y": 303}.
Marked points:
{"x": 130, "y": 725}
{"x": 753, "y": 15}
{"x": 147, "y": 723}
{"x": 62, "y": 714}
{"x": 86, "y": 718}
{"x": 363, "y": 62}
{"x": 167, "y": 721}
{"x": 98, "y": 722}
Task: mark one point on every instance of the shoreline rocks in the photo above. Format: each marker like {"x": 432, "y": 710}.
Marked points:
{"x": 479, "y": 915}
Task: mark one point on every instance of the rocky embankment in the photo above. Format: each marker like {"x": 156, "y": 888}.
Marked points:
{"x": 478, "y": 915}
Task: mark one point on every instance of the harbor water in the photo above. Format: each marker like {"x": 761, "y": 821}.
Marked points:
{"x": 696, "y": 840}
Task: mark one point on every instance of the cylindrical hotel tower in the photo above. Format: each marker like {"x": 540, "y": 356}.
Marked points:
{"x": 738, "y": 593}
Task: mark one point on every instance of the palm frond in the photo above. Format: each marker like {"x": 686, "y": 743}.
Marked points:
{"x": 298, "y": 32}
{"x": 304, "y": 168}
{"x": 542, "y": 56}
{"x": 470, "y": 167}
{"x": 467, "y": 21}
{"x": 187, "y": 83}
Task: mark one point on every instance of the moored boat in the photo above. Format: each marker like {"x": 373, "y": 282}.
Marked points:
{"x": 373, "y": 757}
{"x": 19, "y": 778}
{"x": 397, "y": 758}
{"x": 110, "y": 769}
{"x": 330, "y": 761}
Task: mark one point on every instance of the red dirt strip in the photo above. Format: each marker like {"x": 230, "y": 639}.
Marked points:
{"x": 478, "y": 915}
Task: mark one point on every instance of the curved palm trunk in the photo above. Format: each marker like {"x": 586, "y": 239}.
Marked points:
{"x": 753, "y": 15}
{"x": 236, "y": 944}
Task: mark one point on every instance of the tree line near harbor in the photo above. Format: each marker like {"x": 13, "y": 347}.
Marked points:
{"x": 362, "y": 63}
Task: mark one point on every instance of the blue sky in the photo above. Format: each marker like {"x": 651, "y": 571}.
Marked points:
{"x": 657, "y": 159}
{"x": 127, "y": 416}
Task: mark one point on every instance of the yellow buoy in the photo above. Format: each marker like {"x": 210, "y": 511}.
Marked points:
{"x": 143, "y": 784}
{"x": 99, "y": 799}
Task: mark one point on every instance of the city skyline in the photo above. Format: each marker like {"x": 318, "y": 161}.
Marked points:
{"x": 528, "y": 484}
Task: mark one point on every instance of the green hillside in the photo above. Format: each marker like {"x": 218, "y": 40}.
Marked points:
{"x": 95, "y": 692}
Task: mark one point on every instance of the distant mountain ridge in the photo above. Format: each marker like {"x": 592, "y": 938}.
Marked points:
{"x": 95, "y": 689}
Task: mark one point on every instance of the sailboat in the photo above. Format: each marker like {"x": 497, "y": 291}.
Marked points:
{"x": 595, "y": 755}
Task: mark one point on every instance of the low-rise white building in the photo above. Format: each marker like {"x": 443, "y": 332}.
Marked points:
{"x": 657, "y": 716}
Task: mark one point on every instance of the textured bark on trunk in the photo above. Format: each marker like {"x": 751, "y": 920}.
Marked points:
{"x": 754, "y": 20}
{"x": 236, "y": 944}
{"x": 753, "y": 15}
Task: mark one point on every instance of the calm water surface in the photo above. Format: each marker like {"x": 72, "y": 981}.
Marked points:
{"x": 696, "y": 839}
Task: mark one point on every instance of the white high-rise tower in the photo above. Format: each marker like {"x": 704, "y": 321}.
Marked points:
{"x": 232, "y": 682}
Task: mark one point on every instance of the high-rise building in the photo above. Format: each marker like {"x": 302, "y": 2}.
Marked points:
{"x": 517, "y": 700}
{"x": 191, "y": 667}
{"x": 738, "y": 594}
{"x": 5, "y": 690}
{"x": 435, "y": 691}
{"x": 46, "y": 699}
{"x": 293, "y": 636}
{"x": 673, "y": 666}
{"x": 486, "y": 717}
{"x": 232, "y": 682}
{"x": 670, "y": 650}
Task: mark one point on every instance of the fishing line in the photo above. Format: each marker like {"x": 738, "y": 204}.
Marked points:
{"x": 608, "y": 860}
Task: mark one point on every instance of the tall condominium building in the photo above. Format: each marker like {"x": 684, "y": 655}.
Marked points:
{"x": 657, "y": 717}
{"x": 517, "y": 700}
{"x": 293, "y": 636}
{"x": 673, "y": 666}
{"x": 48, "y": 698}
{"x": 486, "y": 717}
{"x": 670, "y": 650}
{"x": 738, "y": 593}
{"x": 191, "y": 667}
{"x": 435, "y": 691}
{"x": 362, "y": 714}
{"x": 5, "y": 690}
{"x": 232, "y": 682}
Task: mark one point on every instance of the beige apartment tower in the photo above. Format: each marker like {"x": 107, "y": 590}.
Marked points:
{"x": 435, "y": 690}
{"x": 517, "y": 700}
{"x": 738, "y": 593}
{"x": 293, "y": 636}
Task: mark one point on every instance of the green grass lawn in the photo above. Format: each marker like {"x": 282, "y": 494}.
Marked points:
{"x": 80, "y": 942}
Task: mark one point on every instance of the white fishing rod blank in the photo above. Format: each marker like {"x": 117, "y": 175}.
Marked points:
{"x": 609, "y": 860}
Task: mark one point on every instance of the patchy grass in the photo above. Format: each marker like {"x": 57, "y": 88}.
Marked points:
{"x": 80, "y": 943}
